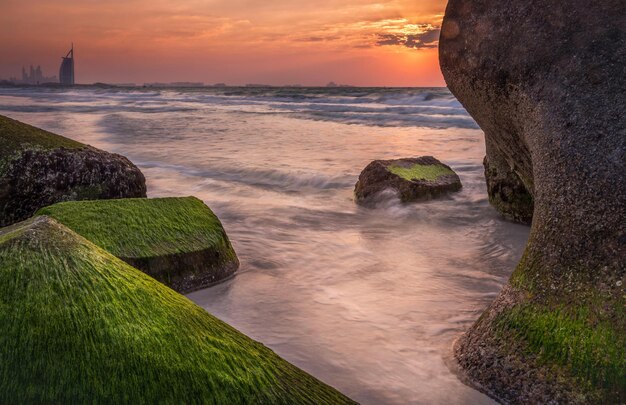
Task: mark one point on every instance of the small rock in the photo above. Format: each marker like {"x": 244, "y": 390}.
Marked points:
{"x": 411, "y": 179}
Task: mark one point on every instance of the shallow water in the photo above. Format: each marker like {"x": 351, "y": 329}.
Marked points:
{"x": 367, "y": 300}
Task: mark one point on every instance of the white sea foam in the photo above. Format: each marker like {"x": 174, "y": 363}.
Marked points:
{"x": 434, "y": 108}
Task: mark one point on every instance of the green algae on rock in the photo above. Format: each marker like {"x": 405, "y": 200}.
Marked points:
{"x": 411, "y": 179}
{"x": 39, "y": 168}
{"x": 545, "y": 81}
{"x": 17, "y": 136}
{"x": 78, "y": 325}
{"x": 420, "y": 172}
{"x": 569, "y": 337}
{"x": 178, "y": 241}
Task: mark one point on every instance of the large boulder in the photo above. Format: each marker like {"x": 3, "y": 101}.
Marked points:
{"x": 78, "y": 325}
{"x": 546, "y": 81}
{"x": 178, "y": 241}
{"x": 39, "y": 168}
{"x": 410, "y": 179}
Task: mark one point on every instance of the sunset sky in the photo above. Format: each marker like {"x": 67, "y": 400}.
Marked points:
{"x": 358, "y": 42}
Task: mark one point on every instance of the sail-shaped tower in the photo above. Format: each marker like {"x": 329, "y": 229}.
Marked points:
{"x": 66, "y": 73}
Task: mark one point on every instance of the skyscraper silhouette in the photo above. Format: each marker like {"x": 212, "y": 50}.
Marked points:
{"x": 66, "y": 73}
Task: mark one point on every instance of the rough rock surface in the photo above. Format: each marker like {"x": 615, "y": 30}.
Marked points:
{"x": 178, "y": 241}
{"x": 507, "y": 192}
{"x": 546, "y": 81}
{"x": 411, "y": 179}
{"x": 38, "y": 168}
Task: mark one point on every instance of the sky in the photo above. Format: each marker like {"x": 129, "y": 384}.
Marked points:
{"x": 277, "y": 42}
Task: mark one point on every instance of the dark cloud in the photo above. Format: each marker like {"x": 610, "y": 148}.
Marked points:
{"x": 427, "y": 39}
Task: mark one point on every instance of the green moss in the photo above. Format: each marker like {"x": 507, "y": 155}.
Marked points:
{"x": 573, "y": 322}
{"x": 420, "y": 172}
{"x": 574, "y": 339}
{"x": 139, "y": 227}
{"x": 520, "y": 278}
{"x": 78, "y": 325}
{"x": 17, "y": 136}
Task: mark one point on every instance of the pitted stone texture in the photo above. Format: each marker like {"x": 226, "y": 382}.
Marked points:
{"x": 546, "y": 81}
{"x": 38, "y": 178}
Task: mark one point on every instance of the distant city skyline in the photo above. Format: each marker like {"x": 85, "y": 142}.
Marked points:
{"x": 280, "y": 42}
{"x": 34, "y": 75}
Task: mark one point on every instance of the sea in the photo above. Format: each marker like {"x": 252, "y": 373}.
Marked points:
{"x": 369, "y": 300}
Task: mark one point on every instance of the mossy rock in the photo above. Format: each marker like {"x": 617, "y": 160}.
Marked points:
{"x": 39, "y": 168}
{"x": 545, "y": 83}
{"x": 562, "y": 350}
{"x": 178, "y": 241}
{"x": 411, "y": 179}
{"x": 78, "y": 325}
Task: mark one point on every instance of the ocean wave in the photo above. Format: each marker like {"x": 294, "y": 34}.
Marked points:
{"x": 435, "y": 108}
{"x": 393, "y": 120}
{"x": 89, "y": 109}
{"x": 273, "y": 179}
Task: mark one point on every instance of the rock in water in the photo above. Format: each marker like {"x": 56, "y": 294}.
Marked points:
{"x": 39, "y": 168}
{"x": 78, "y": 325}
{"x": 178, "y": 241}
{"x": 546, "y": 81}
{"x": 410, "y": 179}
